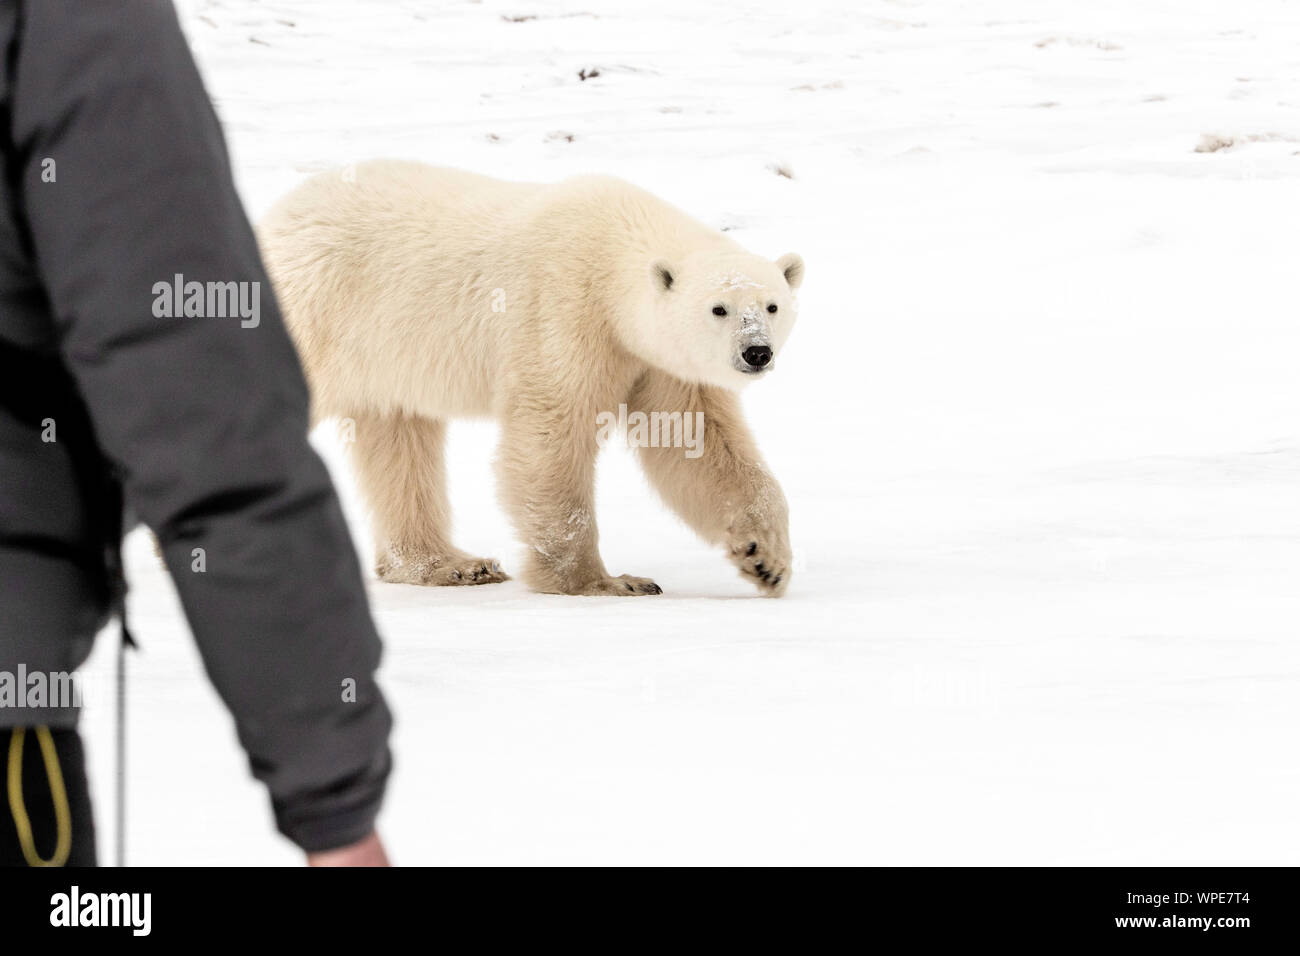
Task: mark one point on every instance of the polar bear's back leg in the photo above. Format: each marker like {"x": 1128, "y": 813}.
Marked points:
{"x": 399, "y": 463}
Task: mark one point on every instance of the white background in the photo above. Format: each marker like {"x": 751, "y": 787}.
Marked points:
{"x": 1039, "y": 425}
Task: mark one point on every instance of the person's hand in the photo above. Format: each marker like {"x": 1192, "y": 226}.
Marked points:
{"x": 365, "y": 852}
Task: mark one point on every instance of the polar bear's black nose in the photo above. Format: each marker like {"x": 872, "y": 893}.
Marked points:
{"x": 757, "y": 355}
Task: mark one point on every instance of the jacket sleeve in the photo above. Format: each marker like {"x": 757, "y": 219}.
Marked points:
{"x": 126, "y": 188}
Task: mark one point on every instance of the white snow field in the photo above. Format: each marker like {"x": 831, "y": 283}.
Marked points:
{"x": 1038, "y": 423}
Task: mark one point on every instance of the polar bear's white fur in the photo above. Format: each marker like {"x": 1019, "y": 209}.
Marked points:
{"x": 416, "y": 295}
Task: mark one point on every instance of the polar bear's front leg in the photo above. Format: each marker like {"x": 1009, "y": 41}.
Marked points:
{"x": 546, "y": 468}
{"x": 718, "y": 483}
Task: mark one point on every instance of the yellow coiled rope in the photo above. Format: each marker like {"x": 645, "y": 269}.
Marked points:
{"x": 62, "y": 813}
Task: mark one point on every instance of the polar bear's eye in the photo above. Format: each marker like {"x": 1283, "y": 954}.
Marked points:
{"x": 719, "y": 310}
{"x": 771, "y": 307}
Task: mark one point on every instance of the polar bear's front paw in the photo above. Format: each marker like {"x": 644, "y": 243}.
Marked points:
{"x": 622, "y": 586}
{"x": 440, "y": 571}
{"x": 763, "y": 555}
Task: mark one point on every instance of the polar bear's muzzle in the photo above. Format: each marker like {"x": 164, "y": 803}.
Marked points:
{"x": 753, "y": 342}
{"x": 754, "y": 359}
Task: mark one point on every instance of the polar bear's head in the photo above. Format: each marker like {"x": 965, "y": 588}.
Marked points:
{"x": 719, "y": 320}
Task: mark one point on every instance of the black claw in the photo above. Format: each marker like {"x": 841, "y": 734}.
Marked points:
{"x": 759, "y": 567}
{"x": 753, "y": 546}
{"x": 630, "y": 588}
{"x": 653, "y": 589}
{"x": 776, "y": 580}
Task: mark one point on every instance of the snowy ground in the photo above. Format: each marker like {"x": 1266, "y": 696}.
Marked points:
{"x": 1039, "y": 426}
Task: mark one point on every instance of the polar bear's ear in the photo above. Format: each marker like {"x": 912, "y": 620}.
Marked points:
{"x": 792, "y": 265}
{"x": 661, "y": 275}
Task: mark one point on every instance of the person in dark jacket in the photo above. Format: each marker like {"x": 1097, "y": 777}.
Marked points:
{"x": 143, "y": 361}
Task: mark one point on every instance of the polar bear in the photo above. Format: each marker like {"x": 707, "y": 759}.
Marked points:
{"x": 418, "y": 294}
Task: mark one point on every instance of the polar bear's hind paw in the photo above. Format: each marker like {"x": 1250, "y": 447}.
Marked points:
{"x": 453, "y": 571}
{"x": 625, "y": 585}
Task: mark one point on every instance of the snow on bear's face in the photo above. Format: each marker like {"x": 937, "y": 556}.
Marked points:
{"x": 719, "y": 320}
